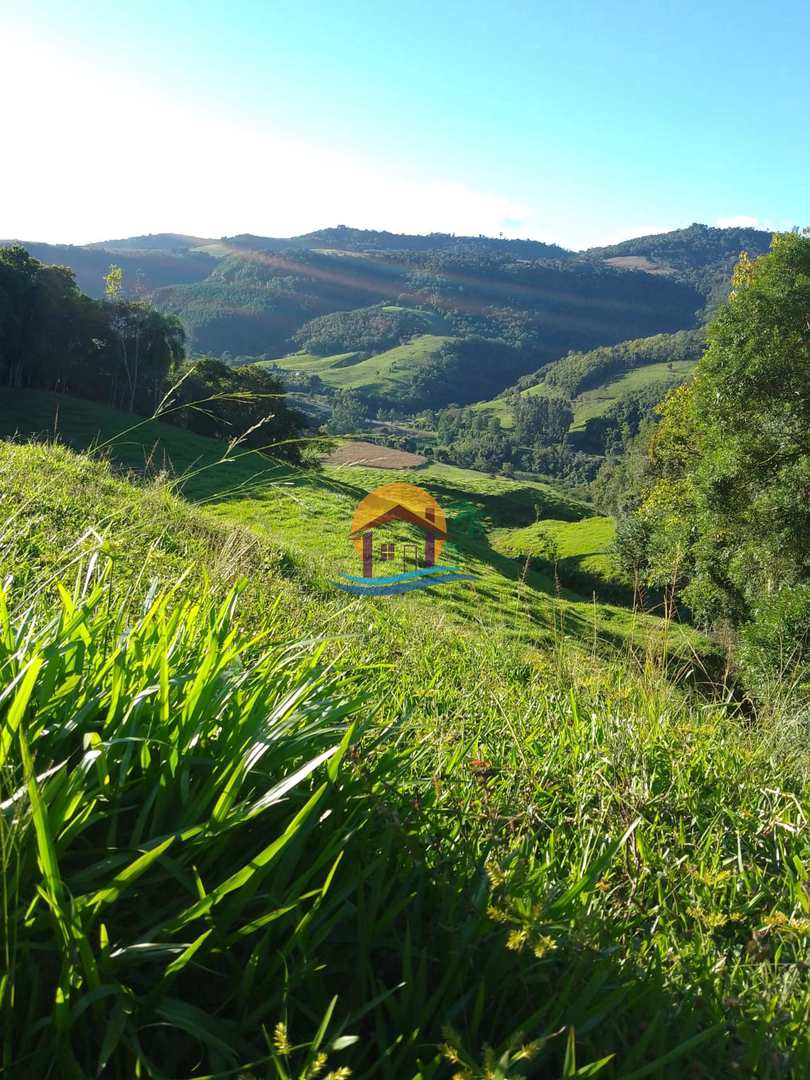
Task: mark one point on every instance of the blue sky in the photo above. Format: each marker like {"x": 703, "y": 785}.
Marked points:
{"x": 577, "y": 122}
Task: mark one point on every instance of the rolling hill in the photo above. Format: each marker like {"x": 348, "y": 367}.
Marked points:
{"x": 392, "y": 316}
{"x": 307, "y": 514}
{"x": 385, "y": 817}
{"x": 610, "y": 389}
{"x": 699, "y": 255}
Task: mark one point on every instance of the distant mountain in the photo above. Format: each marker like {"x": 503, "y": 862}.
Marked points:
{"x": 255, "y": 302}
{"x": 701, "y": 256}
{"x": 147, "y": 269}
{"x": 251, "y": 295}
{"x": 343, "y": 238}
{"x": 166, "y": 242}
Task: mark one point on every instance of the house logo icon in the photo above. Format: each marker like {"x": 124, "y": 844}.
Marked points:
{"x": 402, "y": 525}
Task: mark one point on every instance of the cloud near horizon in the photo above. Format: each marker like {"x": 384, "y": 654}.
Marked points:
{"x": 740, "y": 221}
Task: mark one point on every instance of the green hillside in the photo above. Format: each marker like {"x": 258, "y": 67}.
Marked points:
{"x": 580, "y": 550}
{"x": 699, "y": 255}
{"x": 385, "y": 375}
{"x": 250, "y": 295}
{"x": 654, "y": 377}
{"x": 611, "y": 390}
{"x": 496, "y": 829}
{"x": 308, "y": 514}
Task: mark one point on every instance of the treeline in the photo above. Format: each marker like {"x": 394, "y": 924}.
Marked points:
{"x": 122, "y": 352}
{"x": 53, "y": 337}
{"x": 536, "y": 441}
{"x": 713, "y": 504}
{"x": 577, "y": 372}
{"x": 367, "y": 330}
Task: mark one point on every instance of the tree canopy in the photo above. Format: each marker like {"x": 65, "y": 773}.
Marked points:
{"x": 727, "y": 491}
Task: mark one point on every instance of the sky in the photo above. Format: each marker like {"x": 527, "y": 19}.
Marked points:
{"x": 579, "y": 122}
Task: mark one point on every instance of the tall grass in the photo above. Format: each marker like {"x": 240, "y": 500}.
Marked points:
{"x": 233, "y": 846}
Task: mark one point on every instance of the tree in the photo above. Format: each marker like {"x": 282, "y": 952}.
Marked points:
{"x": 729, "y": 500}
{"x": 148, "y": 344}
{"x": 245, "y": 403}
{"x": 348, "y": 414}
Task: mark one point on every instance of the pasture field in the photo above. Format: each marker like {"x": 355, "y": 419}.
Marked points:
{"x": 307, "y": 514}
{"x": 592, "y": 403}
{"x": 383, "y": 374}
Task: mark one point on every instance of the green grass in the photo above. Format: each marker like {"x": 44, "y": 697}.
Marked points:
{"x": 596, "y": 402}
{"x": 582, "y": 548}
{"x": 382, "y": 374}
{"x": 240, "y": 830}
{"x": 306, "y": 516}
{"x": 310, "y": 364}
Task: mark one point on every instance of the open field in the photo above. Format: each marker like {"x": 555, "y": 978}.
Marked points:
{"x": 638, "y": 262}
{"x": 307, "y": 515}
{"x": 382, "y": 374}
{"x": 582, "y": 548}
{"x": 596, "y": 402}
{"x": 374, "y": 456}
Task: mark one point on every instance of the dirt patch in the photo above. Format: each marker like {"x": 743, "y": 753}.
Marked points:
{"x": 371, "y": 456}
{"x": 638, "y": 262}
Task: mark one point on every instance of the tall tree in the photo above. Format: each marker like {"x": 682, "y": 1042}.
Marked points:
{"x": 729, "y": 502}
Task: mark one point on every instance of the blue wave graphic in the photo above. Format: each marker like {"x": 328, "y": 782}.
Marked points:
{"x": 401, "y": 583}
{"x": 405, "y": 576}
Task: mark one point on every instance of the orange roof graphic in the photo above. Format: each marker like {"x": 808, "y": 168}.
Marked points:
{"x": 398, "y": 502}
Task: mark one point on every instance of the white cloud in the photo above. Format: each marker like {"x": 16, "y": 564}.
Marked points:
{"x": 741, "y": 221}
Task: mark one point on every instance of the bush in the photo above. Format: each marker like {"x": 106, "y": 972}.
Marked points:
{"x": 773, "y": 646}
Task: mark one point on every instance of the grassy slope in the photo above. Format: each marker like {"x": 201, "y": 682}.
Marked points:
{"x": 583, "y": 547}
{"x": 382, "y": 373}
{"x": 308, "y": 514}
{"x": 309, "y": 363}
{"x": 500, "y": 407}
{"x": 694, "y": 933}
{"x": 597, "y": 401}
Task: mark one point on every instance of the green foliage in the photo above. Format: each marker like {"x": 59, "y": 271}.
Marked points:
{"x": 349, "y": 414}
{"x": 578, "y": 372}
{"x": 773, "y": 651}
{"x": 52, "y": 337}
{"x": 699, "y": 255}
{"x": 730, "y": 463}
{"x": 367, "y": 330}
{"x": 245, "y": 404}
{"x": 540, "y": 420}
{"x": 607, "y": 394}
{"x": 256, "y": 300}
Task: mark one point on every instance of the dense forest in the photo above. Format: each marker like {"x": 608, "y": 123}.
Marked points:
{"x": 122, "y": 352}
{"x": 250, "y": 295}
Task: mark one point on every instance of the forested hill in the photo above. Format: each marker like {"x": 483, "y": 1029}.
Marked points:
{"x": 144, "y": 269}
{"x": 700, "y": 256}
{"x": 253, "y": 303}
{"x": 528, "y": 302}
